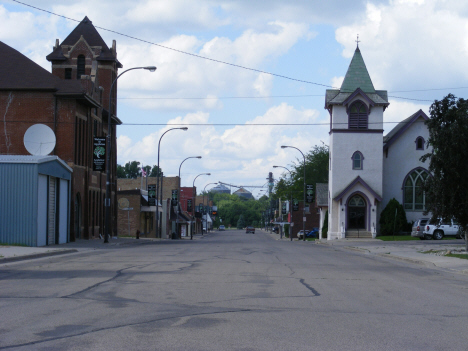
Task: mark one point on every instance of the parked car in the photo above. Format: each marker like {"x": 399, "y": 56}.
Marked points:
{"x": 418, "y": 228}
{"x": 222, "y": 227}
{"x": 300, "y": 234}
{"x": 313, "y": 233}
{"x": 440, "y": 229}
{"x": 250, "y": 229}
{"x": 275, "y": 230}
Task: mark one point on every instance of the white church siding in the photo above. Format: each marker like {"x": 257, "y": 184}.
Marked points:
{"x": 400, "y": 157}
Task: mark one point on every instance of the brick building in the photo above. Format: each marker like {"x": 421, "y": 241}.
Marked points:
{"x": 132, "y": 194}
{"x": 71, "y": 101}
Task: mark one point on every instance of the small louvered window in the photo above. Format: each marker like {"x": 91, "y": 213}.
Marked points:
{"x": 358, "y": 116}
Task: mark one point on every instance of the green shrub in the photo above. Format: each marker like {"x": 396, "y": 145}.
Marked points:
{"x": 389, "y": 223}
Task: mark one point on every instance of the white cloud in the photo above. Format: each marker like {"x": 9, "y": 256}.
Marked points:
{"x": 244, "y": 152}
{"x": 185, "y": 76}
{"x": 424, "y": 41}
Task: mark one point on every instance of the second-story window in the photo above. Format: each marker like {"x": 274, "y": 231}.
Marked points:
{"x": 358, "y": 159}
{"x": 419, "y": 143}
{"x": 68, "y": 73}
{"x": 80, "y": 66}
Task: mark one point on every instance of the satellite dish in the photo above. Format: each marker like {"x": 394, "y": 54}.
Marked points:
{"x": 39, "y": 140}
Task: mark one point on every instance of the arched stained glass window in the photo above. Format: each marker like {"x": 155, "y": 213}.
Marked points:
{"x": 358, "y": 116}
{"x": 414, "y": 197}
{"x": 357, "y": 201}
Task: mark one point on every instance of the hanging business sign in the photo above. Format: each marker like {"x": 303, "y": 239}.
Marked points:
{"x": 151, "y": 194}
{"x": 295, "y": 205}
{"x": 99, "y": 154}
{"x": 189, "y": 205}
{"x": 283, "y": 210}
{"x": 175, "y": 198}
{"x": 309, "y": 193}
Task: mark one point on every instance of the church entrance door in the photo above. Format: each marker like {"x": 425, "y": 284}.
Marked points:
{"x": 356, "y": 213}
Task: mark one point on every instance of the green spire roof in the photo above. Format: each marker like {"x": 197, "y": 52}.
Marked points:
{"x": 357, "y": 76}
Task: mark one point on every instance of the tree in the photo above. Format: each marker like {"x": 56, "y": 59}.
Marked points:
{"x": 316, "y": 164}
{"x": 132, "y": 170}
{"x": 121, "y": 172}
{"x": 241, "y": 222}
{"x": 447, "y": 189}
{"x": 389, "y": 223}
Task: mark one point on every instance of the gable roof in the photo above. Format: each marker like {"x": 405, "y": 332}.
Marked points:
{"x": 401, "y": 127}
{"x": 357, "y": 77}
{"x": 358, "y": 180}
{"x": 92, "y": 37}
{"x": 17, "y": 72}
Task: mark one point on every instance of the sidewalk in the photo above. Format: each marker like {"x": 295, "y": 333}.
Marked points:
{"x": 429, "y": 253}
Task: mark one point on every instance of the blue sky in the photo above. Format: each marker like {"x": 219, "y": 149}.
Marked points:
{"x": 407, "y": 45}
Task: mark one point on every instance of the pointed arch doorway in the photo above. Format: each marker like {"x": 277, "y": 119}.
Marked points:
{"x": 356, "y": 213}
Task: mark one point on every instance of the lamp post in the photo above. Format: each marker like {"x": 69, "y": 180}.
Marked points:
{"x": 179, "y": 195}
{"x": 290, "y": 203}
{"x": 108, "y": 156}
{"x": 194, "y": 196}
{"x": 303, "y": 206}
{"x": 206, "y": 215}
{"x": 159, "y": 180}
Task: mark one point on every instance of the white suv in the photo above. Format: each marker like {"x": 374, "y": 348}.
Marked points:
{"x": 440, "y": 229}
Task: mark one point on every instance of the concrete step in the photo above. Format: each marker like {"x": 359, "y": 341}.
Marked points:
{"x": 358, "y": 234}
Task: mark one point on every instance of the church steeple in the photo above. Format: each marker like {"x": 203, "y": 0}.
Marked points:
{"x": 357, "y": 76}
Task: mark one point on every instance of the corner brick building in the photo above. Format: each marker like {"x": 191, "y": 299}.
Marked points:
{"x": 73, "y": 101}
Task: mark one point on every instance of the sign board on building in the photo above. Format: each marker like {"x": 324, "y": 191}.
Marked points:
{"x": 151, "y": 194}
{"x": 309, "y": 193}
{"x": 99, "y": 154}
{"x": 295, "y": 205}
{"x": 175, "y": 198}
{"x": 189, "y": 205}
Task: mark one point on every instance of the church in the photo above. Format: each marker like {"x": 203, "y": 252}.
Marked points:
{"x": 367, "y": 168}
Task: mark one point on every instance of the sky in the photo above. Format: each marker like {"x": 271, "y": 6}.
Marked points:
{"x": 247, "y": 76}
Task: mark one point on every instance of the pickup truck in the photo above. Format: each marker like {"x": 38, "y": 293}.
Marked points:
{"x": 440, "y": 229}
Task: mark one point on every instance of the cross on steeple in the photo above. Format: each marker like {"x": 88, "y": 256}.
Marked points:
{"x": 357, "y": 41}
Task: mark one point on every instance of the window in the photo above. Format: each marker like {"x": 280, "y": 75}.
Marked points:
{"x": 414, "y": 197}
{"x": 80, "y": 66}
{"x": 68, "y": 73}
{"x": 357, "y": 159}
{"x": 357, "y": 201}
{"x": 358, "y": 116}
{"x": 419, "y": 143}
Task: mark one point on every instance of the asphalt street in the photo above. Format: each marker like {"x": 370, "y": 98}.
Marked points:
{"x": 230, "y": 291}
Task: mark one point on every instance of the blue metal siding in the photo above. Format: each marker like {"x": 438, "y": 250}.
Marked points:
{"x": 18, "y": 203}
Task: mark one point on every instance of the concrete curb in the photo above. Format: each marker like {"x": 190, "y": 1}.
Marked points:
{"x": 38, "y": 255}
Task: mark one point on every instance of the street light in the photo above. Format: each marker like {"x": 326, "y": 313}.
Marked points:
{"x": 179, "y": 195}
{"x": 303, "y": 206}
{"x": 206, "y": 215}
{"x": 108, "y": 158}
{"x": 290, "y": 204}
{"x": 159, "y": 180}
{"x": 194, "y": 196}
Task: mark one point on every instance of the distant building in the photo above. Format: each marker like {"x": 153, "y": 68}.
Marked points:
{"x": 221, "y": 189}
{"x": 243, "y": 193}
